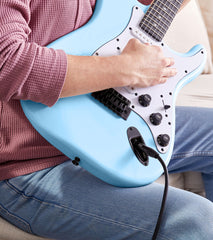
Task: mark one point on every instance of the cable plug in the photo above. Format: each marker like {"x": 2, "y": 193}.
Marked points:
{"x": 149, "y": 151}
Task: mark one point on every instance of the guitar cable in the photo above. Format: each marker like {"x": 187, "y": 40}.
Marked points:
{"x": 152, "y": 153}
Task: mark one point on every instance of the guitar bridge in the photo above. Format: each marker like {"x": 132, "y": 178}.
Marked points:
{"x": 114, "y": 101}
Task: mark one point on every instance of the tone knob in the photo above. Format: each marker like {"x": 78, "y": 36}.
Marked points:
{"x": 163, "y": 140}
{"x": 144, "y": 100}
{"x": 156, "y": 118}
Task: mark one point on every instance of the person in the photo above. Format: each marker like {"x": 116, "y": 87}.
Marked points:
{"x": 41, "y": 192}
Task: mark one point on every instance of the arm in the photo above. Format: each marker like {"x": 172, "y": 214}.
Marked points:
{"x": 139, "y": 65}
{"x": 30, "y": 71}
{"x": 27, "y": 70}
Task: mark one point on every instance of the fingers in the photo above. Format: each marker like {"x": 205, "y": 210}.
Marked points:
{"x": 147, "y": 65}
{"x": 168, "y": 62}
{"x": 167, "y": 71}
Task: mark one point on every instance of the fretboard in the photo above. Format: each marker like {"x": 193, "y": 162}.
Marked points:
{"x": 159, "y": 17}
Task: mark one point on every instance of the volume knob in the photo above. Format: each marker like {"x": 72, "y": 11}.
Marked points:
{"x": 163, "y": 140}
{"x": 144, "y": 100}
{"x": 156, "y": 118}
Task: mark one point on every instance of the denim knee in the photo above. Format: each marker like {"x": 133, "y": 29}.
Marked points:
{"x": 189, "y": 217}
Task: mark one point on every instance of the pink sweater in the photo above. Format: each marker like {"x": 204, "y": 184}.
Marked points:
{"x": 29, "y": 70}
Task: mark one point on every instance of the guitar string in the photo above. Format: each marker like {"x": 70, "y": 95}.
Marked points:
{"x": 162, "y": 8}
{"x": 157, "y": 23}
{"x": 148, "y": 25}
{"x": 152, "y": 28}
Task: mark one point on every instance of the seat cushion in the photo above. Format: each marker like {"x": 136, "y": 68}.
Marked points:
{"x": 207, "y": 12}
{"x": 197, "y": 93}
{"x": 10, "y": 232}
{"x": 187, "y": 30}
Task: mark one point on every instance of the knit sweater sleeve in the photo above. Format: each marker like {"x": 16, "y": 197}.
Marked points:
{"x": 27, "y": 70}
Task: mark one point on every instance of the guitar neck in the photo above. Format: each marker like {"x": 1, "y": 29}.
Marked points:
{"x": 159, "y": 17}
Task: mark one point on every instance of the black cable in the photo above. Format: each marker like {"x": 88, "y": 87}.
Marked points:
{"x": 152, "y": 153}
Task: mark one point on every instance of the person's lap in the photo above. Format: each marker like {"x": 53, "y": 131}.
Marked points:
{"x": 66, "y": 202}
{"x": 193, "y": 149}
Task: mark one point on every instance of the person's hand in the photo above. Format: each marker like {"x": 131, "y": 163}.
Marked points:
{"x": 144, "y": 65}
{"x": 139, "y": 65}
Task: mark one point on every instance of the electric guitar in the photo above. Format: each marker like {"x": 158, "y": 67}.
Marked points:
{"x": 101, "y": 131}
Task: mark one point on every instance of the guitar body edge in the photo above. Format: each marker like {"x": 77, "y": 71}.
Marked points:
{"x": 82, "y": 127}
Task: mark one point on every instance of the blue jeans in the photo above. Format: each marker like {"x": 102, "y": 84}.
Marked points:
{"x": 66, "y": 202}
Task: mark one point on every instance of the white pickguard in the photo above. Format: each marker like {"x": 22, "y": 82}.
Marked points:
{"x": 161, "y": 95}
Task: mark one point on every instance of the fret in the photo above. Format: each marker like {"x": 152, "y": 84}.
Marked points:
{"x": 154, "y": 27}
{"x": 159, "y": 17}
{"x": 153, "y": 24}
{"x": 175, "y": 5}
{"x": 164, "y": 10}
{"x": 163, "y": 24}
{"x": 152, "y": 33}
{"x": 158, "y": 13}
{"x": 170, "y": 10}
{"x": 170, "y": 4}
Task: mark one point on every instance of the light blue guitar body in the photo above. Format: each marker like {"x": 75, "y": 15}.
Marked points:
{"x": 83, "y": 127}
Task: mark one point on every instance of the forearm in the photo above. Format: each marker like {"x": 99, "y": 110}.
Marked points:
{"x": 91, "y": 73}
{"x": 138, "y": 65}
{"x": 29, "y": 71}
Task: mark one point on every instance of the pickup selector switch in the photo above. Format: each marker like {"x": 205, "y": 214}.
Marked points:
{"x": 156, "y": 118}
{"x": 144, "y": 100}
{"x": 166, "y": 107}
{"x": 163, "y": 140}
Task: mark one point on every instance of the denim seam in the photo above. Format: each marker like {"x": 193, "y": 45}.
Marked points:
{"x": 193, "y": 154}
{"x": 79, "y": 212}
{"x": 16, "y": 218}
